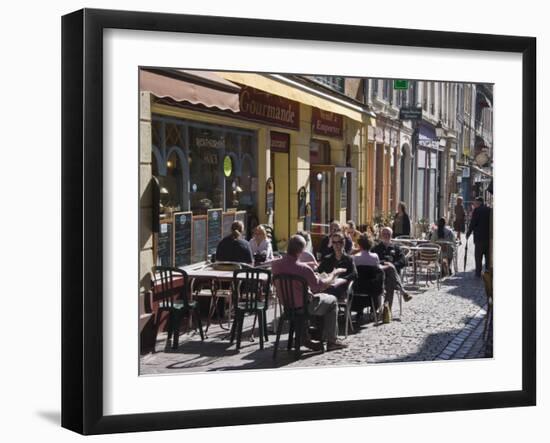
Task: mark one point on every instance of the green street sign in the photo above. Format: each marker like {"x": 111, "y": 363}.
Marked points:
{"x": 400, "y": 84}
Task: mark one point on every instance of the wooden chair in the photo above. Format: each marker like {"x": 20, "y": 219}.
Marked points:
{"x": 250, "y": 289}
{"x": 292, "y": 291}
{"x": 171, "y": 287}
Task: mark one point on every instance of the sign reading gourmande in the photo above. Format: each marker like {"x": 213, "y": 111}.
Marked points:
{"x": 327, "y": 123}
{"x": 266, "y": 107}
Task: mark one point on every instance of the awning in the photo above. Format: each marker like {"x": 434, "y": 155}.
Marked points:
{"x": 194, "y": 87}
{"x": 274, "y": 85}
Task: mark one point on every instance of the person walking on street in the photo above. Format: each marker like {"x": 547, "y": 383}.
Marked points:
{"x": 480, "y": 225}
{"x": 460, "y": 217}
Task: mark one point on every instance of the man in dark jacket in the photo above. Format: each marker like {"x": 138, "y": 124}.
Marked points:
{"x": 480, "y": 225}
{"x": 234, "y": 247}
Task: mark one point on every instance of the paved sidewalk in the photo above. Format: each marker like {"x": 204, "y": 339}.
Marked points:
{"x": 435, "y": 325}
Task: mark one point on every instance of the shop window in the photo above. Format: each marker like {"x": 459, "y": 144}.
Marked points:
{"x": 171, "y": 185}
{"x": 173, "y": 135}
{"x": 319, "y": 152}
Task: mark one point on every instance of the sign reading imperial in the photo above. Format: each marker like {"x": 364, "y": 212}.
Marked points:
{"x": 265, "y": 107}
{"x": 327, "y": 123}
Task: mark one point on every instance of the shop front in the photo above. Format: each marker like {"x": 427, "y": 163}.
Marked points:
{"x": 282, "y": 157}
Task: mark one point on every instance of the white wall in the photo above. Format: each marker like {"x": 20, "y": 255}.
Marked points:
{"x": 30, "y": 179}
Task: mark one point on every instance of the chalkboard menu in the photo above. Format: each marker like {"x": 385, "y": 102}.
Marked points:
{"x": 228, "y": 218}
{"x": 182, "y": 238}
{"x": 164, "y": 245}
{"x": 214, "y": 230}
{"x": 198, "y": 242}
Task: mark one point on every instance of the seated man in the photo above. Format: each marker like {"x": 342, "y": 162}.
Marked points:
{"x": 320, "y": 304}
{"x": 234, "y": 247}
{"x": 392, "y": 261}
{"x": 338, "y": 259}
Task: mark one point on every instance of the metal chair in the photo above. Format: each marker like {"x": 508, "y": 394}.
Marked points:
{"x": 217, "y": 291}
{"x": 429, "y": 259}
{"x": 292, "y": 291}
{"x": 344, "y": 305}
{"x": 368, "y": 290}
{"x": 250, "y": 289}
{"x": 171, "y": 288}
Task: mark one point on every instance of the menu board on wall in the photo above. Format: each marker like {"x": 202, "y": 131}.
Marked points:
{"x": 228, "y": 218}
{"x": 182, "y": 238}
{"x": 164, "y": 245}
{"x": 198, "y": 242}
{"x": 214, "y": 230}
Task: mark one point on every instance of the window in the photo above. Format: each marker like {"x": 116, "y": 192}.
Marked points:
{"x": 319, "y": 152}
{"x": 336, "y": 83}
{"x": 387, "y": 90}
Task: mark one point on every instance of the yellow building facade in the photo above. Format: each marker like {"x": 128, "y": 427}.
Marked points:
{"x": 302, "y": 141}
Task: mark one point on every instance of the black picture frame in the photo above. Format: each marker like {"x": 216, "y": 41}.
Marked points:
{"x": 82, "y": 253}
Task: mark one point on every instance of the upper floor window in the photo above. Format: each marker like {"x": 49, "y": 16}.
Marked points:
{"x": 336, "y": 83}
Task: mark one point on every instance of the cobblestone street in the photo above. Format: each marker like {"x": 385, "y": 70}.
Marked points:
{"x": 434, "y": 325}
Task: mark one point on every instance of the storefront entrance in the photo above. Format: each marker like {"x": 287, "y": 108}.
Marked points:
{"x": 333, "y": 196}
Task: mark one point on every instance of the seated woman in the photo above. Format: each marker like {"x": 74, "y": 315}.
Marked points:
{"x": 260, "y": 245}
{"x": 338, "y": 259}
{"x": 443, "y": 233}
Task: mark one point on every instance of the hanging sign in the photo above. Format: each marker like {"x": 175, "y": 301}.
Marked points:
{"x": 327, "y": 123}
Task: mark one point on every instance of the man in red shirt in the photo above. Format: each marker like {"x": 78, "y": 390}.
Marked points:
{"x": 320, "y": 304}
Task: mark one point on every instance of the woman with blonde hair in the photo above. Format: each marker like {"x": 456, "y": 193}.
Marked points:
{"x": 260, "y": 245}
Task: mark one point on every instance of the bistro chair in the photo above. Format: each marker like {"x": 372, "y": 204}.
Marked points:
{"x": 171, "y": 288}
{"x": 293, "y": 295}
{"x": 368, "y": 290}
{"x": 429, "y": 260}
{"x": 218, "y": 290}
{"x": 250, "y": 288}
{"x": 344, "y": 306}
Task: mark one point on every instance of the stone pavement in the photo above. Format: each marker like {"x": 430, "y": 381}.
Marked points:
{"x": 435, "y": 325}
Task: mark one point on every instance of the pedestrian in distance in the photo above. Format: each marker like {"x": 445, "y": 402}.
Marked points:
{"x": 401, "y": 221}
{"x": 460, "y": 219}
{"x": 480, "y": 225}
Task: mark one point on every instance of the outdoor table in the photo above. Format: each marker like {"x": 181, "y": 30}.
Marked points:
{"x": 214, "y": 276}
